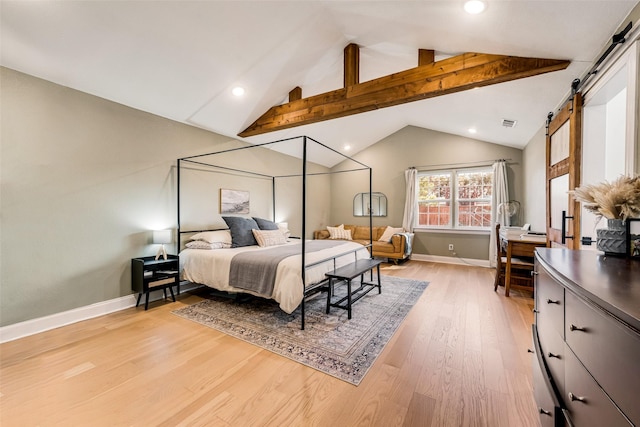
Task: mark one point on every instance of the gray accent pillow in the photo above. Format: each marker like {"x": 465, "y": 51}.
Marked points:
{"x": 265, "y": 224}
{"x": 241, "y": 234}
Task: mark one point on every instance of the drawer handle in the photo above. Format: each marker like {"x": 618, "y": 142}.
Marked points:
{"x": 557, "y": 356}
{"x": 573, "y": 327}
{"x": 544, "y": 411}
{"x": 575, "y": 398}
{"x": 551, "y": 301}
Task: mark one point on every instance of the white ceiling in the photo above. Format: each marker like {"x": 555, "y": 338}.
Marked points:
{"x": 180, "y": 59}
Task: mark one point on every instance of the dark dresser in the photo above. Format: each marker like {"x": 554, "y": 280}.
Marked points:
{"x": 586, "y": 337}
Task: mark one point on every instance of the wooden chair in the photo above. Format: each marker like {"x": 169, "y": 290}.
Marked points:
{"x": 521, "y": 269}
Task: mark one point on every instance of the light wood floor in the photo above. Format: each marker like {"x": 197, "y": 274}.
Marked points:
{"x": 460, "y": 358}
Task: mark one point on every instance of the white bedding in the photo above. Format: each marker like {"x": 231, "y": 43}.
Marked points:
{"x": 211, "y": 268}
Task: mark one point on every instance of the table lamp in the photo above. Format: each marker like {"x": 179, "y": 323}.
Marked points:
{"x": 161, "y": 237}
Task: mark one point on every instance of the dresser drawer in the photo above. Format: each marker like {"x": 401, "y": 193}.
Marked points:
{"x": 609, "y": 350}
{"x": 552, "y": 347}
{"x": 587, "y": 404}
{"x": 547, "y": 404}
{"x": 549, "y": 303}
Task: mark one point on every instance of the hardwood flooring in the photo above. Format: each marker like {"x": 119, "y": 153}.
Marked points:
{"x": 459, "y": 359}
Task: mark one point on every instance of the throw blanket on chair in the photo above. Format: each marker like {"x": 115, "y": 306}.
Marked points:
{"x": 409, "y": 241}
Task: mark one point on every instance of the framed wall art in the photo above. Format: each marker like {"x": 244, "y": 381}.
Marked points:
{"x": 234, "y": 201}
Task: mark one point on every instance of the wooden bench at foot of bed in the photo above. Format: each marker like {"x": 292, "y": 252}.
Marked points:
{"x": 346, "y": 274}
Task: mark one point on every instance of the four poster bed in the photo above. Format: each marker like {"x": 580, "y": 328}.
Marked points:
{"x": 254, "y": 256}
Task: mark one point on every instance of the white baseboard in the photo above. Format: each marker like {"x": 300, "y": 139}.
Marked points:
{"x": 451, "y": 260}
{"x": 46, "y": 323}
{"x": 41, "y": 324}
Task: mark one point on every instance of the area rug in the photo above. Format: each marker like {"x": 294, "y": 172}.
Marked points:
{"x": 330, "y": 343}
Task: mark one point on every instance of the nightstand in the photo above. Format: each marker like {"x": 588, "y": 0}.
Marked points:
{"x": 149, "y": 274}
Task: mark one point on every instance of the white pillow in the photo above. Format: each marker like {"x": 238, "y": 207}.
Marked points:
{"x": 269, "y": 237}
{"x": 339, "y": 232}
{"x": 201, "y": 244}
{"x": 217, "y": 236}
{"x": 389, "y": 232}
{"x": 284, "y": 228}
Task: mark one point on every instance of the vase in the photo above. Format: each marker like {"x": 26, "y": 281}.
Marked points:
{"x": 613, "y": 239}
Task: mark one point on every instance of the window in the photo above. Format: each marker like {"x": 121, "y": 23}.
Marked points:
{"x": 458, "y": 199}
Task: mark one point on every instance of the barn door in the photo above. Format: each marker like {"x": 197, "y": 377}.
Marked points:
{"x": 564, "y": 146}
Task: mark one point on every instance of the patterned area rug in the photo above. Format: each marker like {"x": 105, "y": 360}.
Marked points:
{"x": 330, "y": 343}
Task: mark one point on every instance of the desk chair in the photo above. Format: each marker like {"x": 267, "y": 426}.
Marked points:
{"x": 521, "y": 269}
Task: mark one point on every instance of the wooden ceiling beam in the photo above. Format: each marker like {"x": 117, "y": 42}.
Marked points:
{"x": 455, "y": 74}
{"x": 351, "y": 65}
{"x": 426, "y": 57}
{"x": 295, "y": 94}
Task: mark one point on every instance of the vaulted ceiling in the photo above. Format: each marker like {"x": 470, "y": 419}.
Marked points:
{"x": 181, "y": 59}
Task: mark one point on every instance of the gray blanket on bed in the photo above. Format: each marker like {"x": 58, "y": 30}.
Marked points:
{"x": 256, "y": 270}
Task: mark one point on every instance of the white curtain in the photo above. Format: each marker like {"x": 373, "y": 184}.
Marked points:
{"x": 410, "y": 199}
{"x": 499, "y": 196}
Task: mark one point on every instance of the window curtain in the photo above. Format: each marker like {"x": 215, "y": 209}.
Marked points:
{"x": 410, "y": 199}
{"x": 499, "y": 196}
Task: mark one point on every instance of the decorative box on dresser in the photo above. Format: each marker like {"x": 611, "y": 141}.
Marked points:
{"x": 586, "y": 336}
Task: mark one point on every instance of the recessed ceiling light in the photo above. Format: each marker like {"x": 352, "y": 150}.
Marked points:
{"x": 472, "y": 130}
{"x": 238, "y": 91}
{"x": 347, "y": 147}
{"x": 474, "y": 6}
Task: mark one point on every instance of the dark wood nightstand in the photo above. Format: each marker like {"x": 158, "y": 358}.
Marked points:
{"x": 149, "y": 274}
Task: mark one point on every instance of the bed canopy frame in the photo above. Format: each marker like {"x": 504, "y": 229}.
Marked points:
{"x": 202, "y": 160}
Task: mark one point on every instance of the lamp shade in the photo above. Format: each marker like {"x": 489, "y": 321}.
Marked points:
{"x": 161, "y": 236}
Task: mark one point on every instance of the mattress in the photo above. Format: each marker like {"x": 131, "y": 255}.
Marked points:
{"x": 212, "y": 267}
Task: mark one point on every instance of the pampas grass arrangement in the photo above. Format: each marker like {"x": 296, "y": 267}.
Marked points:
{"x": 619, "y": 199}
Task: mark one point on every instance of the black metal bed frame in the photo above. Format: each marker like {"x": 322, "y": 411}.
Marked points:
{"x": 304, "y": 174}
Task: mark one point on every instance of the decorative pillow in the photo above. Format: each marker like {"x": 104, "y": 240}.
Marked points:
{"x": 217, "y": 236}
{"x": 265, "y": 224}
{"x": 339, "y": 233}
{"x": 269, "y": 237}
{"x": 284, "y": 227}
{"x": 201, "y": 244}
{"x": 240, "y": 228}
{"x": 389, "y": 232}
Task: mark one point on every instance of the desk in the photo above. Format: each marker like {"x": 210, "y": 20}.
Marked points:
{"x": 517, "y": 246}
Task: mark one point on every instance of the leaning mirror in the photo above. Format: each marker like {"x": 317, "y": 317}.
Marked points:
{"x": 376, "y": 204}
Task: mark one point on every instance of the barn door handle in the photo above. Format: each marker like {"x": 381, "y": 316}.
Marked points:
{"x": 564, "y": 227}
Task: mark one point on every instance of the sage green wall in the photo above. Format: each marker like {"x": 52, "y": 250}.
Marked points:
{"x": 412, "y": 146}
{"x": 84, "y": 180}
